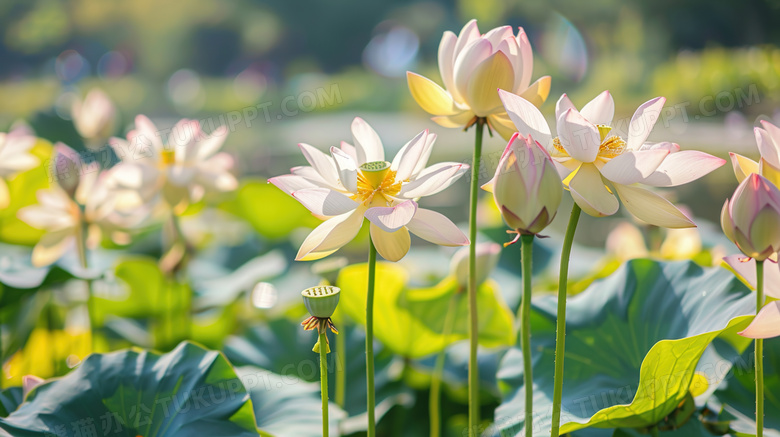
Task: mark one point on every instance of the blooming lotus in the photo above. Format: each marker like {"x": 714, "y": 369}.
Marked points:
{"x": 526, "y": 186}
{"x": 183, "y": 169}
{"x": 356, "y": 182}
{"x": 751, "y": 219}
{"x": 596, "y": 164}
{"x": 15, "y": 157}
{"x": 473, "y": 66}
{"x": 768, "y": 140}
{"x": 94, "y": 117}
{"x": 766, "y": 324}
{"x": 78, "y": 216}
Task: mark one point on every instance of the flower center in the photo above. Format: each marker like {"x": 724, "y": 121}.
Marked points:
{"x": 610, "y": 147}
{"x": 168, "y": 157}
{"x": 376, "y": 185}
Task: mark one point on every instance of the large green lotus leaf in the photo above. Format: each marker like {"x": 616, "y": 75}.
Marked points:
{"x": 287, "y": 405}
{"x": 283, "y": 347}
{"x": 410, "y": 321}
{"x": 189, "y": 391}
{"x": 10, "y": 399}
{"x": 271, "y": 212}
{"x": 634, "y": 341}
{"x": 736, "y": 395}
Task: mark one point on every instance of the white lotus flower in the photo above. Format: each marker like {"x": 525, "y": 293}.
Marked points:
{"x": 356, "y": 182}
{"x": 94, "y": 117}
{"x": 596, "y": 164}
{"x": 183, "y": 169}
{"x": 93, "y": 206}
{"x": 768, "y": 166}
{"x": 15, "y": 157}
{"x": 473, "y": 66}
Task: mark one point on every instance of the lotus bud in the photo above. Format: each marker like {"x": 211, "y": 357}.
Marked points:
{"x": 29, "y": 382}
{"x": 67, "y": 168}
{"x": 321, "y": 301}
{"x": 526, "y": 187}
{"x": 751, "y": 218}
{"x": 487, "y": 260}
{"x": 94, "y": 117}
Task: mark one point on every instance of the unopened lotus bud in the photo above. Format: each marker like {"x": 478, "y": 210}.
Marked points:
{"x": 94, "y": 117}
{"x": 321, "y": 301}
{"x": 67, "y": 168}
{"x": 487, "y": 260}
{"x": 526, "y": 187}
{"x": 751, "y": 219}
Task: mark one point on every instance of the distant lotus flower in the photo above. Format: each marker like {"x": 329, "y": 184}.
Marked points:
{"x": 15, "y": 157}
{"x": 596, "y": 164}
{"x": 357, "y": 182}
{"x": 94, "y": 117}
{"x": 751, "y": 219}
{"x": 29, "y": 382}
{"x": 473, "y": 66}
{"x": 766, "y": 324}
{"x": 183, "y": 169}
{"x": 526, "y": 187}
{"x": 488, "y": 255}
{"x": 90, "y": 207}
{"x": 768, "y": 140}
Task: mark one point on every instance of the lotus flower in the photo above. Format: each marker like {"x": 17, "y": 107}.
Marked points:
{"x": 488, "y": 255}
{"x": 94, "y": 117}
{"x": 526, "y": 186}
{"x": 766, "y": 324}
{"x": 15, "y": 157}
{"x": 596, "y": 164}
{"x": 751, "y": 219}
{"x": 768, "y": 140}
{"x": 92, "y": 206}
{"x": 356, "y": 182}
{"x": 183, "y": 169}
{"x": 473, "y": 66}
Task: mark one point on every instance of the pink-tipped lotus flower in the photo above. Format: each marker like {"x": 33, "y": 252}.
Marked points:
{"x": 596, "y": 163}
{"x": 356, "y": 182}
{"x": 768, "y": 166}
{"x": 473, "y": 66}
{"x": 488, "y": 255}
{"x": 184, "y": 168}
{"x": 766, "y": 324}
{"x": 526, "y": 187}
{"x": 94, "y": 117}
{"x": 751, "y": 219}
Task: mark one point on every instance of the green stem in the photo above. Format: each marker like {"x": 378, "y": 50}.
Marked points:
{"x": 654, "y": 431}
{"x": 560, "y": 334}
{"x": 472, "y": 288}
{"x": 341, "y": 371}
{"x": 81, "y": 249}
{"x": 370, "y": 400}
{"x": 434, "y": 401}
{"x": 324, "y": 378}
{"x": 759, "y": 353}
{"x": 525, "y": 330}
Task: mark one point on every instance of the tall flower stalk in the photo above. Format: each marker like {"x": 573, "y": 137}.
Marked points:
{"x": 759, "y": 350}
{"x": 472, "y": 288}
{"x": 370, "y": 398}
{"x": 527, "y": 191}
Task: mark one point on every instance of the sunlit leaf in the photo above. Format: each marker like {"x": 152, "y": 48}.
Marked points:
{"x": 634, "y": 341}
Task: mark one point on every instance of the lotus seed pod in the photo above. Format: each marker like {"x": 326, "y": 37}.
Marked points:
{"x": 321, "y": 301}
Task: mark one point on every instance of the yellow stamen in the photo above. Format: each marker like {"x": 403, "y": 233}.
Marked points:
{"x": 376, "y": 185}
{"x": 612, "y": 147}
{"x": 168, "y": 157}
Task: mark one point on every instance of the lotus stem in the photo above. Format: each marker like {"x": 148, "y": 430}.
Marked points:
{"x": 525, "y": 330}
{"x": 370, "y": 399}
{"x": 341, "y": 371}
{"x": 759, "y": 353}
{"x": 472, "y": 285}
{"x": 560, "y": 334}
{"x": 434, "y": 401}
{"x": 324, "y": 378}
